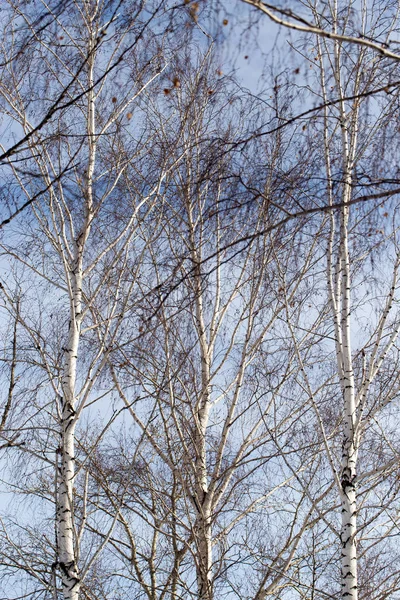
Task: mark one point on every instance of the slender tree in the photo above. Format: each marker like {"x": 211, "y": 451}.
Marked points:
{"x": 77, "y": 162}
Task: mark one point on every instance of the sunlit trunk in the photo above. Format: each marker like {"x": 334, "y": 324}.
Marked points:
{"x": 68, "y": 546}
{"x": 65, "y": 514}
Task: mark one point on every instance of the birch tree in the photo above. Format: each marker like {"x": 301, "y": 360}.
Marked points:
{"x": 352, "y": 132}
{"x": 359, "y": 63}
{"x": 84, "y": 163}
{"x": 207, "y": 391}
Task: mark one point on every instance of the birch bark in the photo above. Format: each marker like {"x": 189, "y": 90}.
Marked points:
{"x": 203, "y": 500}
{"x": 68, "y": 546}
{"x": 349, "y": 449}
{"x": 342, "y": 315}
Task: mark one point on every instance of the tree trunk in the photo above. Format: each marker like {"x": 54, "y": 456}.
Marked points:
{"x": 203, "y": 526}
{"x": 349, "y": 451}
{"x": 67, "y": 543}
{"x": 65, "y": 513}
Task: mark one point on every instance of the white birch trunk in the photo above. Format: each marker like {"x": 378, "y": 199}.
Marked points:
{"x": 342, "y": 316}
{"x": 345, "y": 364}
{"x": 203, "y": 499}
{"x": 68, "y": 547}
{"x": 203, "y": 526}
{"x": 349, "y": 451}
{"x": 65, "y": 516}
